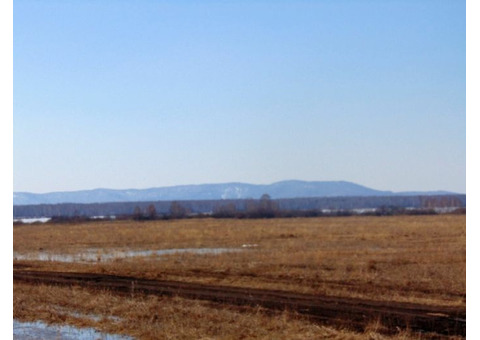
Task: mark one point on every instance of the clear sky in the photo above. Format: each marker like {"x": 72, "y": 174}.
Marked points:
{"x": 139, "y": 94}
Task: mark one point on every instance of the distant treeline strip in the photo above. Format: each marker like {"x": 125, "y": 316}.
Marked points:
{"x": 241, "y": 207}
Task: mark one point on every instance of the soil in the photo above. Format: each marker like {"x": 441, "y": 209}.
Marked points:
{"x": 348, "y": 312}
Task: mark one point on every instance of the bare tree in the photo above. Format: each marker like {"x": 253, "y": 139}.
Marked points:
{"x": 267, "y": 207}
{"x": 137, "y": 213}
{"x": 151, "y": 212}
{"x": 225, "y": 210}
{"x": 177, "y": 210}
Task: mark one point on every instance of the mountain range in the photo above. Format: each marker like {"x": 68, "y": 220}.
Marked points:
{"x": 283, "y": 189}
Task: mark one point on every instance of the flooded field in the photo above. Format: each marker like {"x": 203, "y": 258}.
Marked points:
{"x": 41, "y": 330}
{"x": 101, "y": 255}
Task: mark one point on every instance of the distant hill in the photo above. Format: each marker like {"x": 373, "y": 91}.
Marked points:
{"x": 278, "y": 190}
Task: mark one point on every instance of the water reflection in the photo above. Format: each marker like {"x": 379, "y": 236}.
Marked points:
{"x": 40, "y": 330}
{"x": 98, "y": 255}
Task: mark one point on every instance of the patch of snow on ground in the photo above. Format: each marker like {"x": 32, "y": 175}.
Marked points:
{"x": 32, "y": 220}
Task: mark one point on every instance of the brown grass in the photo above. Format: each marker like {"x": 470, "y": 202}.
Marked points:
{"x": 405, "y": 258}
{"x": 419, "y": 259}
{"x": 155, "y": 317}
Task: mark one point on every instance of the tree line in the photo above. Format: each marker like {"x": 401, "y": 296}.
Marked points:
{"x": 265, "y": 207}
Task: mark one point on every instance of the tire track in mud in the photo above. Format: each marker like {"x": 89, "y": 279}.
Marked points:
{"x": 358, "y": 285}
{"x": 349, "y": 312}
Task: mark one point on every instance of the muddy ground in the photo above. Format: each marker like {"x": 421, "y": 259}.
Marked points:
{"x": 348, "y": 312}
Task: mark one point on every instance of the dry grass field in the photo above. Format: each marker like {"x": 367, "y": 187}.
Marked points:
{"x": 418, "y": 259}
{"x": 173, "y": 318}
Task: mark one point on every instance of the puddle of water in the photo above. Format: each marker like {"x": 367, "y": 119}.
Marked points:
{"x": 97, "y": 255}
{"x": 40, "y": 330}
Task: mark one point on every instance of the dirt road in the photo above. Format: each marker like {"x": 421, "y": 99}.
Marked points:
{"x": 353, "y": 313}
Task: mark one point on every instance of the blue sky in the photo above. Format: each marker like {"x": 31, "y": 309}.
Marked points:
{"x": 138, "y": 94}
